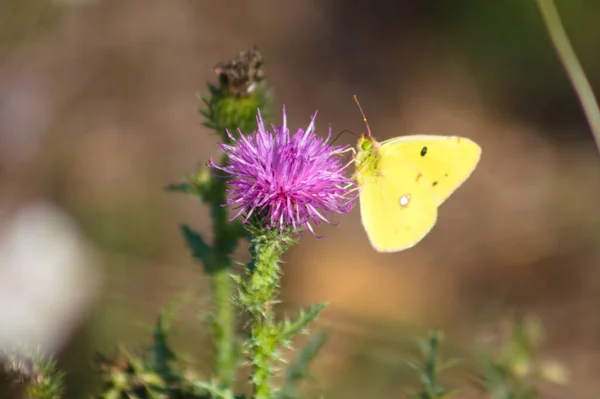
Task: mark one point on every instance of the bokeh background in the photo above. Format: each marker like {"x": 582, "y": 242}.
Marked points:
{"x": 98, "y": 114}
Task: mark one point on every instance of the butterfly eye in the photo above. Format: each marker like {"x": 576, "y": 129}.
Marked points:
{"x": 404, "y": 200}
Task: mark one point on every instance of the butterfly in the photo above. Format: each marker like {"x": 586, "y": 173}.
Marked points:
{"x": 403, "y": 181}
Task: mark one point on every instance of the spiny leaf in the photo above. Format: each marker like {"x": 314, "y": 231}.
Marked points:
{"x": 430, "y": 368}
{"x": 36, "y": 373}
{"x": 291, "y": 327}
{"x": 298, "y": 369}
{"x": 213, "y": 389}
{"x": 163, "y": 354}
{"x": 200, "y": 249}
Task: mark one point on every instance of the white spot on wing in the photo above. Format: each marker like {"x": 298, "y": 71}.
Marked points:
{"x": 404, "y": 200}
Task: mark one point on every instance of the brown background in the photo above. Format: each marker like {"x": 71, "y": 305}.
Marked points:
{"x": 102, "y": 93}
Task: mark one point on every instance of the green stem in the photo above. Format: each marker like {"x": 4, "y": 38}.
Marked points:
{"x": 572, "y": 66}
{"x": 260, "y": 294}
{"x": 222, "y": 289}
{"x": 224, "y": 365}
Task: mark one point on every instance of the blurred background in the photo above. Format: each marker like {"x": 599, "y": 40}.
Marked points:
{"x": 98, "y": 114}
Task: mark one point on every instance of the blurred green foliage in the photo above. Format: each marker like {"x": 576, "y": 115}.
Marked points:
{"x": 22, "y": 21}
{"x": 515, "y": 370}
{"x": 32, "y": 374}
{"x": 507, "y": 47}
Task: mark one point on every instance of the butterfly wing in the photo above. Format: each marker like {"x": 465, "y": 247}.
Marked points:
{"x": 445, "y": 161}
{"x": 397, "y": 205}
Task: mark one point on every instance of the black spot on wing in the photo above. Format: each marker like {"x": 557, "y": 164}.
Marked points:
{"x": 423, "y": 151}
{"x": 434, "y": 184}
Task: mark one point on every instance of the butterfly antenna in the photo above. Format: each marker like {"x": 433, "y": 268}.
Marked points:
{"x": 340, "y": 133}
{"x": 364, "y": 117}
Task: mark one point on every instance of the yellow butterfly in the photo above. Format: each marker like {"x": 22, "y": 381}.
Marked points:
{"x": 403, "y": 180}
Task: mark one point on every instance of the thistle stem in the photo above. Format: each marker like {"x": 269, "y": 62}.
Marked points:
{"x": 222, "y": 290}
{"x": 260, "y": 293}
{"x": 572, "y": 66}
{"x": 223, "y": 328}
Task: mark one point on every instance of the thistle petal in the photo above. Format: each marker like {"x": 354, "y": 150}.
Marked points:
{"x": 292, "y": 179}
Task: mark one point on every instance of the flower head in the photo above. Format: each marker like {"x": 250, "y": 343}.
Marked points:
{"x": 290, "y": 180}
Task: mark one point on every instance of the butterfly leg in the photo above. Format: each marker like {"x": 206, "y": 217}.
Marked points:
{"x": 349, "y": 149}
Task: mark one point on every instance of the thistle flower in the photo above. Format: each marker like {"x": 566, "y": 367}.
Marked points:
{"x": 289, "y": 180}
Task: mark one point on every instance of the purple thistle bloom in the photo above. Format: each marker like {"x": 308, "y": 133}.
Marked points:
{"x": 294, "y": 180}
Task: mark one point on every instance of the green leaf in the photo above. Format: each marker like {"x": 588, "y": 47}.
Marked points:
{"x": 185, "y": 188}
{"x": 298, "y": 369}
{"x": 214, "y": 390}
{"x": 163, "y": 354}
{"x": 430, "y": 368}
{"x": 291, "y": 327}
{"x": 200, "y": 249}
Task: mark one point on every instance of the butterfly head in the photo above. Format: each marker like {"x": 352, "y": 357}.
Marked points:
{"x": 366, "y": 160}
{"x": 366, "y": 143}
{"x": 367, "y": 157}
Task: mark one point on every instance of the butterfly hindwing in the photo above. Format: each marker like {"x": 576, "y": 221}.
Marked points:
{"x": 398, "y": 207}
